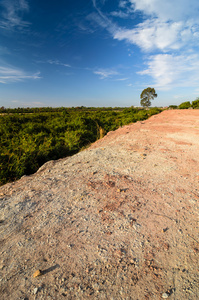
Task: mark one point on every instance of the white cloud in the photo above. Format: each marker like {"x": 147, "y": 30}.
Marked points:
{"x": 57, "y": 62}
{"x": 122, "y": 79}
{"x": 106, "y": 73}
{"x": 9, "y": 74}
{"x": 125, "y": 11}
{"x": 168, "y": 28}
{"x": 11, "y": 16}
{"x": 169, "y": 10}
{"x": 23, "y": 4}
{"x": 123, "y": 4}
{"x": 165, "y": 36}
{"x": 119, "y": 14}
{"x": 153, "y": 34}
{"x": 171, "y": 25}
{"x": 170, "y": 70}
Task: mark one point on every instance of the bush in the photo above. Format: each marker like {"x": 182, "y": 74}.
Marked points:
{"x": 154, "y": 110}
{"x": 195, "y": 104}
{"x": 184, "y": 105}
{"x": 173, "y": 106}
{"x": 29, "y": 140}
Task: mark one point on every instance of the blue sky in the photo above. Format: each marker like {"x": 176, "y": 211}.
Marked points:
{"x": 98, "y": 52}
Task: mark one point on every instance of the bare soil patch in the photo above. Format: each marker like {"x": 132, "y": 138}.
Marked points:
{"x": 118, "y": 220}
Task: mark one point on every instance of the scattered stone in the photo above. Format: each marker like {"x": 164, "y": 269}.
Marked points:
{"x": 37, "y": 273}
{"x": 165, "y": 295}
{"x": 35, "y": 291}
{"x": 63, "y": 279}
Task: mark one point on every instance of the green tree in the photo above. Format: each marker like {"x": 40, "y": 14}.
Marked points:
{"x": 185, "y": 105}
{"x": 146, "y": 96}
{"x": 195, "y": 103}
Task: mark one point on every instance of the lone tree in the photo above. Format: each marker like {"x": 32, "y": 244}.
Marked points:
{"x": 146, "y": 96}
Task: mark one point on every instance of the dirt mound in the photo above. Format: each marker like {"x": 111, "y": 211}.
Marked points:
{"x": 116, "y": 221}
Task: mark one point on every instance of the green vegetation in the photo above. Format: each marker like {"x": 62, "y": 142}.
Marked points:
{"x": 184, "y": 105}
{"x": 31, "y": 137}
{"x": 146, "y": 96}
{"x": 188, "y": 104}
{"x": 173, "y": 106}
{"x": 195, "y": 103}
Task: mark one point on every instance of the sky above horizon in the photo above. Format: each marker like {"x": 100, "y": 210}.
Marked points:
{"x": 98, "y": 52}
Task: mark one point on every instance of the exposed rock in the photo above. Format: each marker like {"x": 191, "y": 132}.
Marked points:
{"x": 35, "y": 290}
{"x": 37, "y": 273}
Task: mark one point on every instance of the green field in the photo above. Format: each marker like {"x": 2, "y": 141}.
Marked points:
{"x": 31, "y": 137}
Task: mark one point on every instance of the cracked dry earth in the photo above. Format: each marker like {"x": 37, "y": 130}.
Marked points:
{"x": 115, "y": 221}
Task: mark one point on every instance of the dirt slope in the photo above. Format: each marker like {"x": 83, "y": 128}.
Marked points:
{"x": 116, "y": 221}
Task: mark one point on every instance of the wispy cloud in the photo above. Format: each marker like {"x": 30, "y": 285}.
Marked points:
{"x": 123, "y": 3}
{"x": 125, "y": 10}
{"x": 153, "y": 34}
{"x": 106, "y": 73}
{"x": 164, "y": 29}
{"x": 12, "y": 14}
{"x": 57, "y": 62}
{"x": 169, "y": 70}
{"x": 10, "y": 74}
{"x": 119, "y": 14}
{"x": 168, "y": 28}
{"x": 101, "y": 19}
{"x": 122, "y": 79}
{"x": 174, "y": 10}
{"x": 157, "y": 35}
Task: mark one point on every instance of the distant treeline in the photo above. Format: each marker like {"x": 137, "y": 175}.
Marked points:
{"x": 57, "y": 109}
{"x": 31, "y": 137}
{"x": 187, "y": 105}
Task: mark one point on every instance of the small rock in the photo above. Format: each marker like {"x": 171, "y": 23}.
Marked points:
{"x": 63, "y": 279}
{"x": 165, "y": 295}
{"x": 35, "y": 291}
{"x": 37, "y": 273}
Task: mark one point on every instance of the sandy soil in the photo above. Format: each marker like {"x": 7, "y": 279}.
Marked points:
{"x": 116, "y": 221}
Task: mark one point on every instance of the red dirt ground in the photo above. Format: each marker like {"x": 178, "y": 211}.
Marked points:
{"x": 118, "y": 220}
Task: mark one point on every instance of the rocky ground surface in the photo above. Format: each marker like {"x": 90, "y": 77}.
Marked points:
{"x": 116, "y": 221}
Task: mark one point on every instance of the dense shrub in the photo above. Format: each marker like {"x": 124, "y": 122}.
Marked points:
{"x": 173, "y": 106}
{"x": 195, "y": 103}
{"x": 184, "y": 105}
{"x": 29, "y": 140}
